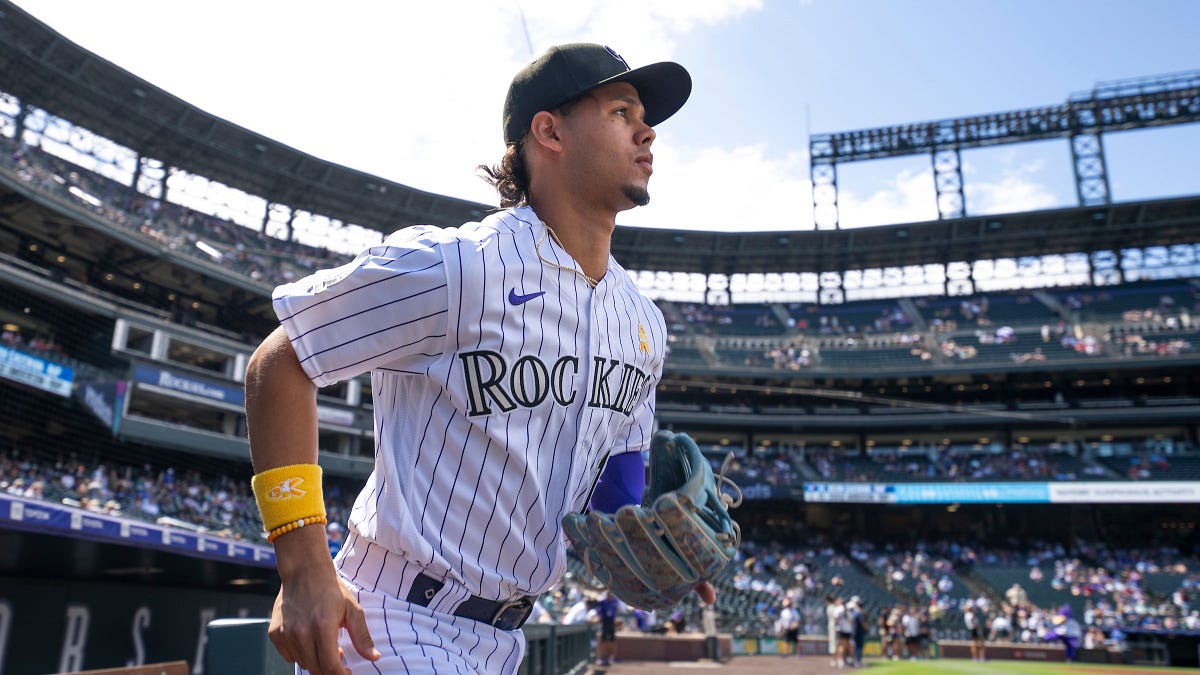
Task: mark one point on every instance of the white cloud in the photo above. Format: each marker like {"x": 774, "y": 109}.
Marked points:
{"x": 642, "y": 30}
{"x": 910, "y": 196}
{"x": 1016, "y": 190}
{"x": 413, "y": 92}
{"x": 409, "y": 91}
{"x": 907, "y": 198}
{"x": 729, "y": 189}
{"x": 746, "y": 189}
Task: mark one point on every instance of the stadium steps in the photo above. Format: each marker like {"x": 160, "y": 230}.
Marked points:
{"x": 857, "y": 580}
{"x": 1040, "y": 593}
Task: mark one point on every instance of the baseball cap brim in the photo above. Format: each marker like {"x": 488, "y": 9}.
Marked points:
{"x": 663, "y": 87}
{"x": 566, "y": 72}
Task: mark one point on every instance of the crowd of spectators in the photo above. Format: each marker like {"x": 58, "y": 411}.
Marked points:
{"x": 803, "y": 348}
{"x": 789, "y": 356}
{"x": 953, "y": 463}
{"x": 267, "y": 259}
{"x": 1016, "y": 463}
{"x": 214, "y": 503}
{"x": 1140, "y": 345}
{"x": 778, "y": 469}
{"x": 271, "y": 260}
{"x": 13, "y": 337}
{"x": 924, "y": 580}
{"x": 922, "y": 577}
{"x": 925, "y": 570}
{"x": 1112, "y": 581}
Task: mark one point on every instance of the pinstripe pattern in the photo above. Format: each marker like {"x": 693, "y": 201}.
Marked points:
{"x": 492, "y": 419}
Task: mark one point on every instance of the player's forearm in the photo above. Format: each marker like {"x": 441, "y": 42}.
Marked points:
{"x": 281, "y": 418}
{"x": 281, "y": 406}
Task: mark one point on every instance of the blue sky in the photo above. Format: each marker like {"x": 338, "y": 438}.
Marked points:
{"x": 412, "y": 91}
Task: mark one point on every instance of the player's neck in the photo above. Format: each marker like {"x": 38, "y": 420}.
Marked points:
{"x": 586, "y": 237}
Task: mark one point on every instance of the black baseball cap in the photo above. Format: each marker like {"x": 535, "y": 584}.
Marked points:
{"x": 567, "y": 71}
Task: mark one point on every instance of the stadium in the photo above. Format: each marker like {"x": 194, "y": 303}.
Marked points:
{"x": 921, "y": 417}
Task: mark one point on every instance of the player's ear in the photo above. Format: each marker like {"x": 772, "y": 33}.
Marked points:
{"x": 544, "y": 131}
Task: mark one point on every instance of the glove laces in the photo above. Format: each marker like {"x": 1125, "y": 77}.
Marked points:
{"x": 730, "y": 502}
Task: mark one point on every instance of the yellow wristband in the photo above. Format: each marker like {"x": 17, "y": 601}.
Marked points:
{"x": 288, "y": 493}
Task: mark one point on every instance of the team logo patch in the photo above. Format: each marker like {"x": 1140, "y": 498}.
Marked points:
{"x": 643, "y": 340}
{"x": 288, "y": 489}
{"x": 617, "y": 56}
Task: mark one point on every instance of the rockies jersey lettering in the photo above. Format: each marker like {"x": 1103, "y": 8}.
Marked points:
{"x": 500, "y": 385}
{"x": 530, "y": 381}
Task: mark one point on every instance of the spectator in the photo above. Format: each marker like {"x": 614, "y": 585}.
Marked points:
{"x": 788, "y": 626}
{"x": 606, "y": 614}
{"x": 333, "y": 533}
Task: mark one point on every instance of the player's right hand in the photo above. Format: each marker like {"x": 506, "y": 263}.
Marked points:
{"x": 313, "y": 605}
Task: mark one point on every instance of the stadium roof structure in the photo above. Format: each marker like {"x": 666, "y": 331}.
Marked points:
{"x": 1111, "y": 227}
{"x": 44, "y": 69}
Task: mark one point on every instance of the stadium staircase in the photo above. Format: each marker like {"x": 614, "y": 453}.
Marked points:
{"x": 914, "y": 314}
{"x": 857, "y": 579}
{"x": 1040, "y": 593}
{"x": 781, "y": 315}
{"x": 1051, "y": 302}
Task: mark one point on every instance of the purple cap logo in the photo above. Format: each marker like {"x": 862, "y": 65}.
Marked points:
{"x": 616, "y": 56}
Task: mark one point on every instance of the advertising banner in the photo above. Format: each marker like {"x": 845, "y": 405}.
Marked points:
{"x": 36, "y": 372}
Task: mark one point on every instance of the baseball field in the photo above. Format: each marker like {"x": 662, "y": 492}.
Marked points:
{"x": 813, "y": 665}
{"x": 963, "y": 667}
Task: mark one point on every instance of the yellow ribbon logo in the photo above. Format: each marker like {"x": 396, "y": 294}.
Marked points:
{"x": 643, "y": 339}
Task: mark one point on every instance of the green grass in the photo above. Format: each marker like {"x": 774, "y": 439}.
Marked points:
{"x": 964, "y": 667}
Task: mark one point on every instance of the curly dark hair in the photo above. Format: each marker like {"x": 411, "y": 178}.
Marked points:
{"x": 510, "y": 177}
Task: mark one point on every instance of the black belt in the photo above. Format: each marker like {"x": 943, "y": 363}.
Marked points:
{"x": 505, "y": 615}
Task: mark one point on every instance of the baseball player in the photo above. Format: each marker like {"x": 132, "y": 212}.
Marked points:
{"x": 513, "y": 368}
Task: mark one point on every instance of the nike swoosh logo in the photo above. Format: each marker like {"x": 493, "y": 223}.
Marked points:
{"x": 522, "y": 299}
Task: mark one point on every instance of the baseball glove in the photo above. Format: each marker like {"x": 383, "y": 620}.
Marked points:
{"x": 652, "y": 555}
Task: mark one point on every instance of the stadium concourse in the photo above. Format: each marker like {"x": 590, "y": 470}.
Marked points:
{"x": 1011, "y": 435}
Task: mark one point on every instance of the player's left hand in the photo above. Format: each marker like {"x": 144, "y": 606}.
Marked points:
{"x": 708, "y": 595}
{"x": 313, "y": 605}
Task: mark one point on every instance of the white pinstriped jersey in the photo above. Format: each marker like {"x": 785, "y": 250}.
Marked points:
{"x": 500, "y": 386}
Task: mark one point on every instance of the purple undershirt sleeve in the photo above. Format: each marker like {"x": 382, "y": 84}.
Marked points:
{"x": 622, "y": 482}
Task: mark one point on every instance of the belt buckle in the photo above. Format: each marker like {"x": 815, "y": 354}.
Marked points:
{"x": 512, "y": 614}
